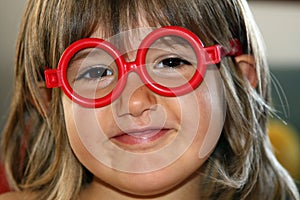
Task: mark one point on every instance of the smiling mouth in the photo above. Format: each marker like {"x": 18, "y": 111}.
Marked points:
{"x": 143, "y": 139}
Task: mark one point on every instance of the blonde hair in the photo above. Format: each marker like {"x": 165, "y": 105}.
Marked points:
{"x": 35, "y": 140}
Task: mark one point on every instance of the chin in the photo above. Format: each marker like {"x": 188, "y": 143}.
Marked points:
{"x": 151, "y": 185}
{"x": 155, "y": 184}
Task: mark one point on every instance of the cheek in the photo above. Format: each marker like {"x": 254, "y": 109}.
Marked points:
{"x": 203, "y": 115}
{"x": 195, "y": 111}
{"x": 85, "y": 135}
{"x": 212, "y": 109}
{"x": 86, "y": 127}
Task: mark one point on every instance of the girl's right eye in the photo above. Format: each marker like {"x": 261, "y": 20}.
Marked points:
{"x": 95, "y": 73}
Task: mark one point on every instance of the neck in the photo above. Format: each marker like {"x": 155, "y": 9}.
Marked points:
{"x": 189, "y": 189}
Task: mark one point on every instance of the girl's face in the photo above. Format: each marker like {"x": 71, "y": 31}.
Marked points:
{"x": 145, "y": 143}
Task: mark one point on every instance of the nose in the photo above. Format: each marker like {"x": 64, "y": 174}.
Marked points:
{"x": 136, "y": 99}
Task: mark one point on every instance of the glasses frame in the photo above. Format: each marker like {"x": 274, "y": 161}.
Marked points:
{"x": 212, "y": 55}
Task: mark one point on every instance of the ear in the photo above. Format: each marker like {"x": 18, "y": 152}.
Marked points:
{"x": 246, "y": 65}
{"x": 45, "y": 94}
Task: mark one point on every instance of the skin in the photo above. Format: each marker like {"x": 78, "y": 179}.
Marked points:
{"x": 139, "y": 107}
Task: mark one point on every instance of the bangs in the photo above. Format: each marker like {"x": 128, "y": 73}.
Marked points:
{"x": 117, "y": 16}
{"x": 207, "y": 19}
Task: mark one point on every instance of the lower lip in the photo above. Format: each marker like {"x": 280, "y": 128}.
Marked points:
{"x": 146, "y": 138}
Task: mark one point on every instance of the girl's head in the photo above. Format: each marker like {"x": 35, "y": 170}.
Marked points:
{"x": 60, "y": 136}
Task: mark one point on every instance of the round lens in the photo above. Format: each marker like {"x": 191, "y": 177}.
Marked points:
{"x": 92, "y": 73}
{"x": 171, "y": 61}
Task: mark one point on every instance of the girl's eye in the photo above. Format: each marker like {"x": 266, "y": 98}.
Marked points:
{"x": 172, "y": 63}
{"x": 96, "y": 72}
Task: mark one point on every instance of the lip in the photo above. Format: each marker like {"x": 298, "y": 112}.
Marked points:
{"x": 140, "y": 136}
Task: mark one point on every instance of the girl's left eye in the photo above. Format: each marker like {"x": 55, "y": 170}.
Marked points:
{"x": 172, "y": 63}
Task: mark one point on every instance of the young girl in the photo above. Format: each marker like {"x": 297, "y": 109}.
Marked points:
{"x": 161, "y": 99}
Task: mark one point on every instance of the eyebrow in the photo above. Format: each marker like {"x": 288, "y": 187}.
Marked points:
{"x": 91, "y": 53}
{"x": 82, "y": 54}
{"x": 168, "y": 43}
{"x": 171, "y": 41}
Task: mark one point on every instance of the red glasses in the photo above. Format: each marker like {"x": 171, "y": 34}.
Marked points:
{"x": 171, "y": 61}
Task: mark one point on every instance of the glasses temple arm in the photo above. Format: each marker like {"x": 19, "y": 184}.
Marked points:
{"x": 52, "y": 78}
{"x": 216, "y": 52}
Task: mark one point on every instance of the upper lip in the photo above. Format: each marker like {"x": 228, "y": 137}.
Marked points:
{"x": 140, "y": 131}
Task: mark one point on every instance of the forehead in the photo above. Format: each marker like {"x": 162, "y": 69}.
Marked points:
{"x": 127, "y": 40}
{"x": 128, "y": 37}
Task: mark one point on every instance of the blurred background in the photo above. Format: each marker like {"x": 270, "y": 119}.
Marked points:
{"x": 279, "y": 22}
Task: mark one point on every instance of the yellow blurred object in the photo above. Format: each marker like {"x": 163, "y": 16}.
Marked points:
{"x": 286, "y": 144}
